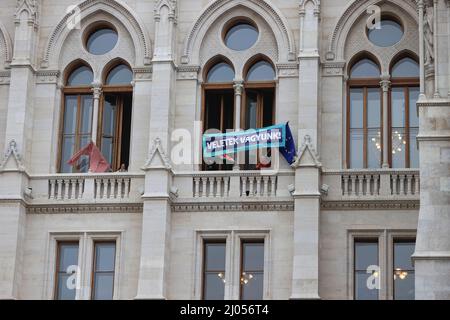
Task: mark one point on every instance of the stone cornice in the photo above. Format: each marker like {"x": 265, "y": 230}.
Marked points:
{"x": 233, "y": 206}
{"x": 433, "y": 103}
{"x": 371, "y": 205}
{"x": 85, "y": 208}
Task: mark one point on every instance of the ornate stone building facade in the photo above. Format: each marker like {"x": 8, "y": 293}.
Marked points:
{"x": 364, "y": 84}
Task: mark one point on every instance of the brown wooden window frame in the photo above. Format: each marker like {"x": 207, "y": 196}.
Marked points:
{"x": 59, "y": 243}
{"x": 241, "y": 268}
{"x": 94, "y": 265}
{"x": 365, "y": 84}
{"x": 207, "y": 242}
{"x": 406, "y": 84}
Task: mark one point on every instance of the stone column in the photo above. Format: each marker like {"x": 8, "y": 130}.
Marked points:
{"x": 421, "y": 50}
{"x": 432, "y": 255}
{"x": 385, "y": 85}
{"x": 305, "y": 277}
{"x": 97, "y": 91}
{"x": 155, "y": 242}
{"x": 238, "y": 90}
{"x": 309, "y": 59}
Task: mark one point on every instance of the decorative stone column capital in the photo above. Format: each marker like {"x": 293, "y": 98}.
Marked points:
{"x": 385, "y": 85}
{"x": 97, "y": 90}
{"x": 238, "y": 88}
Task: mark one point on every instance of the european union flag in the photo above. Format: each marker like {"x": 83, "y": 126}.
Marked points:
{"x": 288, "y": 151}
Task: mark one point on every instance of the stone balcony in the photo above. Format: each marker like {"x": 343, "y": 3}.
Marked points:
{"x": 224, "y": 186}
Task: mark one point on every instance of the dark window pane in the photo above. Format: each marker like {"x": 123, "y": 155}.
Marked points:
{"x": 406, "y": 68}
{"x": 356, "y": 108}
{"x": 366, "y": 254}
{"x": 83, "y": 76}
{"x": 373, "y": 108}
{"x": 253, "y": 288}
{"x": 86, "y": 120}
{"x": 68, "y": 150}
{"x": 365, "y": 68}
{"x": 404, "y": 288}
{"x": 120, "y": 75}
{"x": 413, "y": 97}
{"x": 253, "y": 256}
{"x": 389, "y": 33}
{"x": 398, "y": 107}
{"x": 221, "y": 72}
{"x": 413, "y": 148}
{"x": 364, "y": 286}
{"x": 68, "y": 256}
{"x": 104, "y": 286}
{"x": 398, "y": 148}
{"x": 64, "y": 293}
{"x": 403, "y": 270}
{"x": 70, "y": 114}
{"x": 109, "y": 115}
{"x": 215, "y": 256}
{"x": 105, "y": 256}
{"x": 251, "y": 111}
{"x": 214, "y": 286}
{"x": 102, "y": 41}
{"x": 107, "y": 148}
{"x": 261, "y": 71}
{"x": 356, "y": 148}
{"x": 241, "y": 37}
{"x": 403, "y": 252}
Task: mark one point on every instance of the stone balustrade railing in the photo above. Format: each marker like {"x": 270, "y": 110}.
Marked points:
{"x": 389, "y": 184}
{"x": 234, "y": 184}
{"x": 197, "y": 186}
{"x": 109, "y": 187}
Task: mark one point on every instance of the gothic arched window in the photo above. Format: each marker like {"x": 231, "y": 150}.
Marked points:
{"x": 364, "y": 110}
{"x": 404, "y": 119}
{"x": 76, "y": 128}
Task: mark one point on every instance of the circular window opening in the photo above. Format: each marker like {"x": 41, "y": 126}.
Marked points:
{"x": 385, "y": 34}
{"x": 241, "y": 36}
{"x": 101, "y": 40}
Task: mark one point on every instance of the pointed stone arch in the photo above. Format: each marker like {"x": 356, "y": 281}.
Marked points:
{"x": 351, "y": 14}
{"x": 115, "y": 8}
{"x": 273, "y": 16}
{"x": 5, "y": 47}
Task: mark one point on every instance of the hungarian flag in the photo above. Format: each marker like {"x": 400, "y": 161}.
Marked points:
{"x": 97, "y": 163}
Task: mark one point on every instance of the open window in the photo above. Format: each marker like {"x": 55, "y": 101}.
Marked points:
{"x": 259, "y": 107}
{"x": 76, "y": 124}
{"x": 218, "y": 106}
{"x": 115, "y": 120}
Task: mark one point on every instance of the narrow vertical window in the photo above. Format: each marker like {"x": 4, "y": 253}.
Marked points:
{"x": 103, "y": 271}
{"x": 77, "y": 119}
{"x": 404, "y": 118}
{"x": 252, "y": 271}
{"x": 214, "y": 270}
{"x": 364, "y": 114}
{"x": 66, "y": 266}
{"x": 259, "y": 108}
{"x": 218, "y": 107}
{"x": 403, "y": 272}
{"x": 366, "y": 270}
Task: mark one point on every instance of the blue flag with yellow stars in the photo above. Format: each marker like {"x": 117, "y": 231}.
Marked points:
{"x": 288, "y": 151}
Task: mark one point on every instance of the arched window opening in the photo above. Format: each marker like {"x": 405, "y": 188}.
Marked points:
{"x": 218, "y": 107}
{"x": 364, "y": 116}
{"x": 115, "y": 120}
{"x": 259, "y": 108}
{"x": 404, "y": 118}
{"x": 77, "y": 112}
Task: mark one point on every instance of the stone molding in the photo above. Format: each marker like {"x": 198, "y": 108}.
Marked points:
{"x": 233, "y": 206}
{"x": 273, "y": 17}
{"x": 5, "y": 77}
{"x": 85, "y": 209}
{"x": 371, "y": 205}
{"x": 47, "y": 76}
{"x": 116, "y": 8}
{"x": 350, "y": 15}
{"x": 6, "y": 50}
